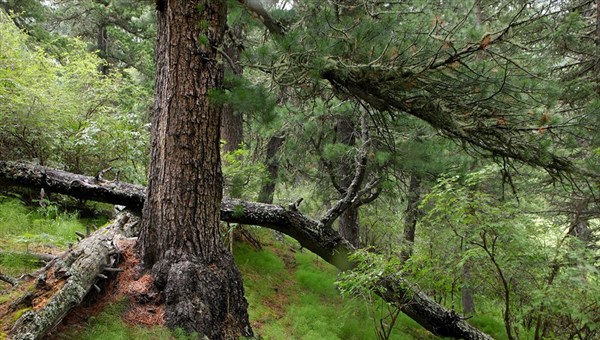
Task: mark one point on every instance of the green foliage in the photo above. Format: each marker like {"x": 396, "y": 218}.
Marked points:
{"x": 125, "y": 41}
{"x": 243, "y": 177}
{"x": 22, "y": 229}
{"x": 514, "y": 254}
{"x": 67, "y": 114}
{"x": 244, "y": 97}
{"x": 370, "y": 267}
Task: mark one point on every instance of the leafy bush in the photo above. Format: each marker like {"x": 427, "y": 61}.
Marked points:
{"x": 66, "y": 113}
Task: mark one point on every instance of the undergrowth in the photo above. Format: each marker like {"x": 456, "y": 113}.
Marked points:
{"x": 296, "y": 298}
{"x": 23, "y": 227}
{"x": 40, "y": 230}
{"x": 291, "y": 292}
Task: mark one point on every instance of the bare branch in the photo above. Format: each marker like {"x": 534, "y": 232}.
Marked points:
{"x": 359, "y": 175}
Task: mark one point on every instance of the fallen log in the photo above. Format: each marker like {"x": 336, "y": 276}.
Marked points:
{"x": 323, "y": 241}
{"x": 68, "y": 279}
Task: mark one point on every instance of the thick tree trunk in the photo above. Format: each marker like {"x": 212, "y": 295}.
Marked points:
{"x": 180, "y": 239}
{"x": 324, "y": 242}
{"x": 68, "y": 279}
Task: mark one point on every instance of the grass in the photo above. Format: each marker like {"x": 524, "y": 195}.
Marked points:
{"x": 41, "y": 229}
{"x": 291, "y": 293}
{"x": 24, "y": 229}
{"x": 108, "y": 325}
{"x": 297, "y": 298}
{"x": 14, "y": 264}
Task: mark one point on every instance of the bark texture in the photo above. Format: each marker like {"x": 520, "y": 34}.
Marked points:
{"x": 268, "y": 188}
{"x": 180, "y": 239}
{"x": 348, "y": 220}
{"x": 412, "y": 215}
{"x": 73, "y": 275}
{"x": 78, "y": 186}
{"x": 323, "y": 241}
{"x": 232, "y": 123}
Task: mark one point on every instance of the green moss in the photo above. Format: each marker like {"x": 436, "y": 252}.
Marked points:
{"x": 20, "y": 312}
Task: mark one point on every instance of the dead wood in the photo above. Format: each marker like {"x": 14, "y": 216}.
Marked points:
{"x": 64, "y": 283}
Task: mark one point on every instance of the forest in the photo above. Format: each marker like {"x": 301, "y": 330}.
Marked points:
{"x": 288, "y": 169}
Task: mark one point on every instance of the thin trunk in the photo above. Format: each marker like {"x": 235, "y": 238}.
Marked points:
{"x": 479, "y": 12}
{"x": 468, "y": 302}
{"x": 102, "y": 39}
{"x": 102, "y": 44}
{"x": 506, "y": 315}
{"x": 348, "y": 220}
{"x": 268, "y": 188}
{"x": 180, "y": 239}
{"x": 232, "y": 122}
{"x": 411, "y": 216}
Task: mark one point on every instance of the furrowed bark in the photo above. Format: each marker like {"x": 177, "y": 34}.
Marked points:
{"x": 75, "y": 274}
{"x": 325, "y": 242}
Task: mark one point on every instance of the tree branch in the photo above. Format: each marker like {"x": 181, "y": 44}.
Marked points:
{"x": 258, "y": 10}
{"x": 359, "y": 175}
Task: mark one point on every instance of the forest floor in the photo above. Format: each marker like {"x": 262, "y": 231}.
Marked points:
{"x": 291, "y": 292}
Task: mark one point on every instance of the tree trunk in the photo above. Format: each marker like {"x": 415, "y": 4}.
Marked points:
{"x": 411, "y": 217}
{"x": 180, "y": 239}
{"x": 268, "y": 187}
{"x": 232, "y": 123}
{"x": 348, "y": 220}
{"x": 325, "y": 242}
{"x": 232, "y": 129}
{"x": 102, "y": 42}
{"x": 468, "y": 302}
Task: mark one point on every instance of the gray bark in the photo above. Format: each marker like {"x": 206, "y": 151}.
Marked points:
{"x": 80, "y": 268}
{"x": 268, "y": 188}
